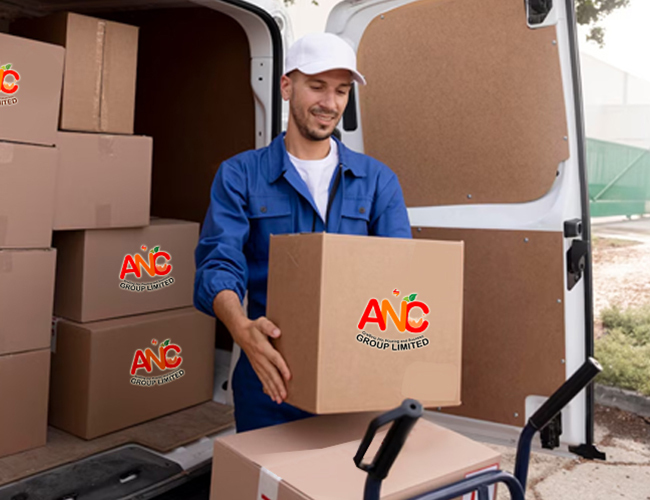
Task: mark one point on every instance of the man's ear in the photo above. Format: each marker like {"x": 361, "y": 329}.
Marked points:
{"x": 286, "y": 87}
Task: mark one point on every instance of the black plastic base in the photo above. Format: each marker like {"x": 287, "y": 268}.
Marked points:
{"x": 588, "y": 451}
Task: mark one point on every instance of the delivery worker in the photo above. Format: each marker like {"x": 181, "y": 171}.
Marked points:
{"x": 304, "y": 181}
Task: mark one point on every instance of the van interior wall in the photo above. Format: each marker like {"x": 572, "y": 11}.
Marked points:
{"x": 194, "y": 97}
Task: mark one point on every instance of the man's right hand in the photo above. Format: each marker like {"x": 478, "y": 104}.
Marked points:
{"x": 269, "y": 365}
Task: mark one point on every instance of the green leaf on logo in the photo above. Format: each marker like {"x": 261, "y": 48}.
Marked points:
{"x": 407, "y": 299}
{"x": 8, "y": 66}
{"x": 156, "y": 249}
{"x": 412, "y": 296}
{"x": 2, "y": 67}
{"x": 166, "y": 342}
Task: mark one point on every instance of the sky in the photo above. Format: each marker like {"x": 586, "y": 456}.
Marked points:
{"x": 627, "y": 39}
{"x": 627, "y": 36}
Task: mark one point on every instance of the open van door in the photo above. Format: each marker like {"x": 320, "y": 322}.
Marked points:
{"x": 476, "y": 106}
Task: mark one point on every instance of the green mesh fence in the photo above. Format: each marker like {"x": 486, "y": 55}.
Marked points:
{"x": 619, "y": 179}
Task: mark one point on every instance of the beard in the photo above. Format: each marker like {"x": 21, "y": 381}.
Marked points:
{"x": 315, "y": 132}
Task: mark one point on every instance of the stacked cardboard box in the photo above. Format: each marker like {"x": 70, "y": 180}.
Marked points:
{"x": 30, "y": 87}
{"x": 123, "y": 296}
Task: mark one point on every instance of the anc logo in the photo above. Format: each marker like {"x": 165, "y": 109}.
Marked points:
{"x": 145, "y": 360}
{"x": 135, "y": 264}
{"x": 380, "y": 314}
{"x": 8, "y": 85}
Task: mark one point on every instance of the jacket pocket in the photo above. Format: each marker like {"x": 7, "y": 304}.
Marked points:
{"x": 267, "y": 215}
{"x": 355, "y": 215}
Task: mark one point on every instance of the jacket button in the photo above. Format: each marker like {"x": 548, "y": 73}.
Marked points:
{"x": 362, "y": 210}
{"x": 263, "y": 210}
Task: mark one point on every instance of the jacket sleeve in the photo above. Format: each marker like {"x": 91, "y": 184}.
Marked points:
{"x": 220, "y": 260}
{"x": 389, "y": 217}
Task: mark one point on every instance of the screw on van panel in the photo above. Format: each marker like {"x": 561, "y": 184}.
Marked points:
{"x": 559, "y": 301}
{"x": 419, "y": 229}
{"x": 566, "y": 138}
{"x": 526, "y": 240}
{"x": 381, "y": 17}
{"x": 469, "y": 196}
{"x": 554, "y": 42}
{"x": 516, "y": 414}
{"x": 562, "y": 361}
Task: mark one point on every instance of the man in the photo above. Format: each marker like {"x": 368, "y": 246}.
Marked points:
{"x": 304, "y": 181}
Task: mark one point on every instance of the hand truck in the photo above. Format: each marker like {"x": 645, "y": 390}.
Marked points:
{"x": 405, "y": 416}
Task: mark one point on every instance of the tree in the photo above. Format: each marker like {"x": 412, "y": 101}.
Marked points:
{"x": 591, "y": 12}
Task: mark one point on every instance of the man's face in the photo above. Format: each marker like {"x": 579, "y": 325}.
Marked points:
{"x": 317, "y": 101}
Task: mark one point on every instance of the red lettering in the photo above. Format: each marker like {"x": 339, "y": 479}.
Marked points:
{"x": 174, "y": 361}
{"x": 150, "y": 267}
{"x": 373, "y": 305}
{"x": 425, "y": 310}
{"x": 8, "y": 88}
{"x": 139, "y": 361}
{"x": 165, "y": 268}
{"x": 128, "y": 266}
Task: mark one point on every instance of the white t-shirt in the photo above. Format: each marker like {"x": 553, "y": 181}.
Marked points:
{"x": 317, "y": 174}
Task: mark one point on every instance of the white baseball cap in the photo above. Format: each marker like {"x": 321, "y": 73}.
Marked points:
{"x": 318, "y": 52}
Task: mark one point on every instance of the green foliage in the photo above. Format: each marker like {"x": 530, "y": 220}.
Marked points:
{"x": 624, "y": 351}
{"x": 592, "y": 12}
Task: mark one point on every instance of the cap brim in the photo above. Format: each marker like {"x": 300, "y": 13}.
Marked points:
{"x": 314, "y": 69}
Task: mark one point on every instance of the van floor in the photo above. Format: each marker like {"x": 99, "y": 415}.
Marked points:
{"x": 163, "y": 435}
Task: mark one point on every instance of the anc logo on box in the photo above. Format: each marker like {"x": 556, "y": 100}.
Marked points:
{"x": 8, "y": 85}
{"x": 135, "y": 264}
{"x": 146, "y": 359}
{"x": 381, "y": 315}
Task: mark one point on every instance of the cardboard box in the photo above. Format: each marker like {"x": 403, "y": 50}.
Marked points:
{"x": 27, "y": 177}
{"x": 93, "y": 391}
{"x": 100, "y": 69}
{"x": 26, "y": 298}
{"x": 24, "y": 380}
{"x": 30, "y": 90}
{"x": 312, "y": 459}
{"x": 89, "y": 282}
{"x": 326, "y": 293}
{"x": 102, "y": 181}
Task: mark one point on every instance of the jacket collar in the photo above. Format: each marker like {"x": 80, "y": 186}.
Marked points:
{"x": 279, "y": 160}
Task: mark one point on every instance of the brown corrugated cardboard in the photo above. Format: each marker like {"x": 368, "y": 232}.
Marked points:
{"x": 93, "y": 391}
{"x": 298, "y": 461}
{"x": 100, "y": 69}
{"x": 102, "y": 181}
{"x": 26, "y": 298}
{"x": 27, "y": 176}
{"x": 30, "y": 90}
{"x": 24, "y": 380}
{"x": 342, "y": 303}
{"x": 89, "y": 286}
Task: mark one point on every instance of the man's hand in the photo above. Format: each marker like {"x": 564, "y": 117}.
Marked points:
{"x": 271, "y": 368}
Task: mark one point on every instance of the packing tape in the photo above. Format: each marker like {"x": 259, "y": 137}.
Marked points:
{"x": 268, "y": 485}
{"x": 100, "y": 43}
{"x": 6, "y": 262}
{"x": 4, "y": 224}
{"x": 106, "y": 145}
{"x": 6, "y": 152}
{"x": 103, "y": 216}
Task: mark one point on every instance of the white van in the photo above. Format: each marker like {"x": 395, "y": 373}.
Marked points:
{"x": 475, "y": 104}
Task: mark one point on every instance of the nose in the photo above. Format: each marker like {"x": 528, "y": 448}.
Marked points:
{"x": 328, "y": 101}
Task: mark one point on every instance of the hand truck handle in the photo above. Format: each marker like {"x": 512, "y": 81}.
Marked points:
{"x": 560, "y": 398}
{"x": 404, "y": 418}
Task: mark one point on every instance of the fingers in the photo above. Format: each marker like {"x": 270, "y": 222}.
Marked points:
{"x": 281, "y": 365}
{"x": 270, "y": 378}
{"x": 267, "y": 327}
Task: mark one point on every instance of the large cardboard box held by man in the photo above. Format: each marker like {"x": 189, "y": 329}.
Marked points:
{"x": 27, "y": 180}
{"x": 26, "y": 299}
{"x": 108, "y": 273}
{"x": 113, "y": 374}
{"x": 311, "y": 459}
{"x": 30, "y": 90}
{"x": 367, "y": 321}
{"x": 100, "y": 69}
{"x": 102, "y": 181}
{"x": 24, "y": 380}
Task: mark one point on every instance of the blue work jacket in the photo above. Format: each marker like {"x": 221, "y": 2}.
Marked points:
{"x": 258, "y": 193}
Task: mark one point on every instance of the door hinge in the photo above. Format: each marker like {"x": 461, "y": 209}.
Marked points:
{"x": 550, "y": 434}
{"x": 576, "y": 260}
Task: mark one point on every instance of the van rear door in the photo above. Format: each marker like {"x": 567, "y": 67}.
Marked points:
{"x": 475, "y": 104}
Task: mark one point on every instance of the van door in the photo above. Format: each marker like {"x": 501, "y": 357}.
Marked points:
{"x": 475, "y": 105}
